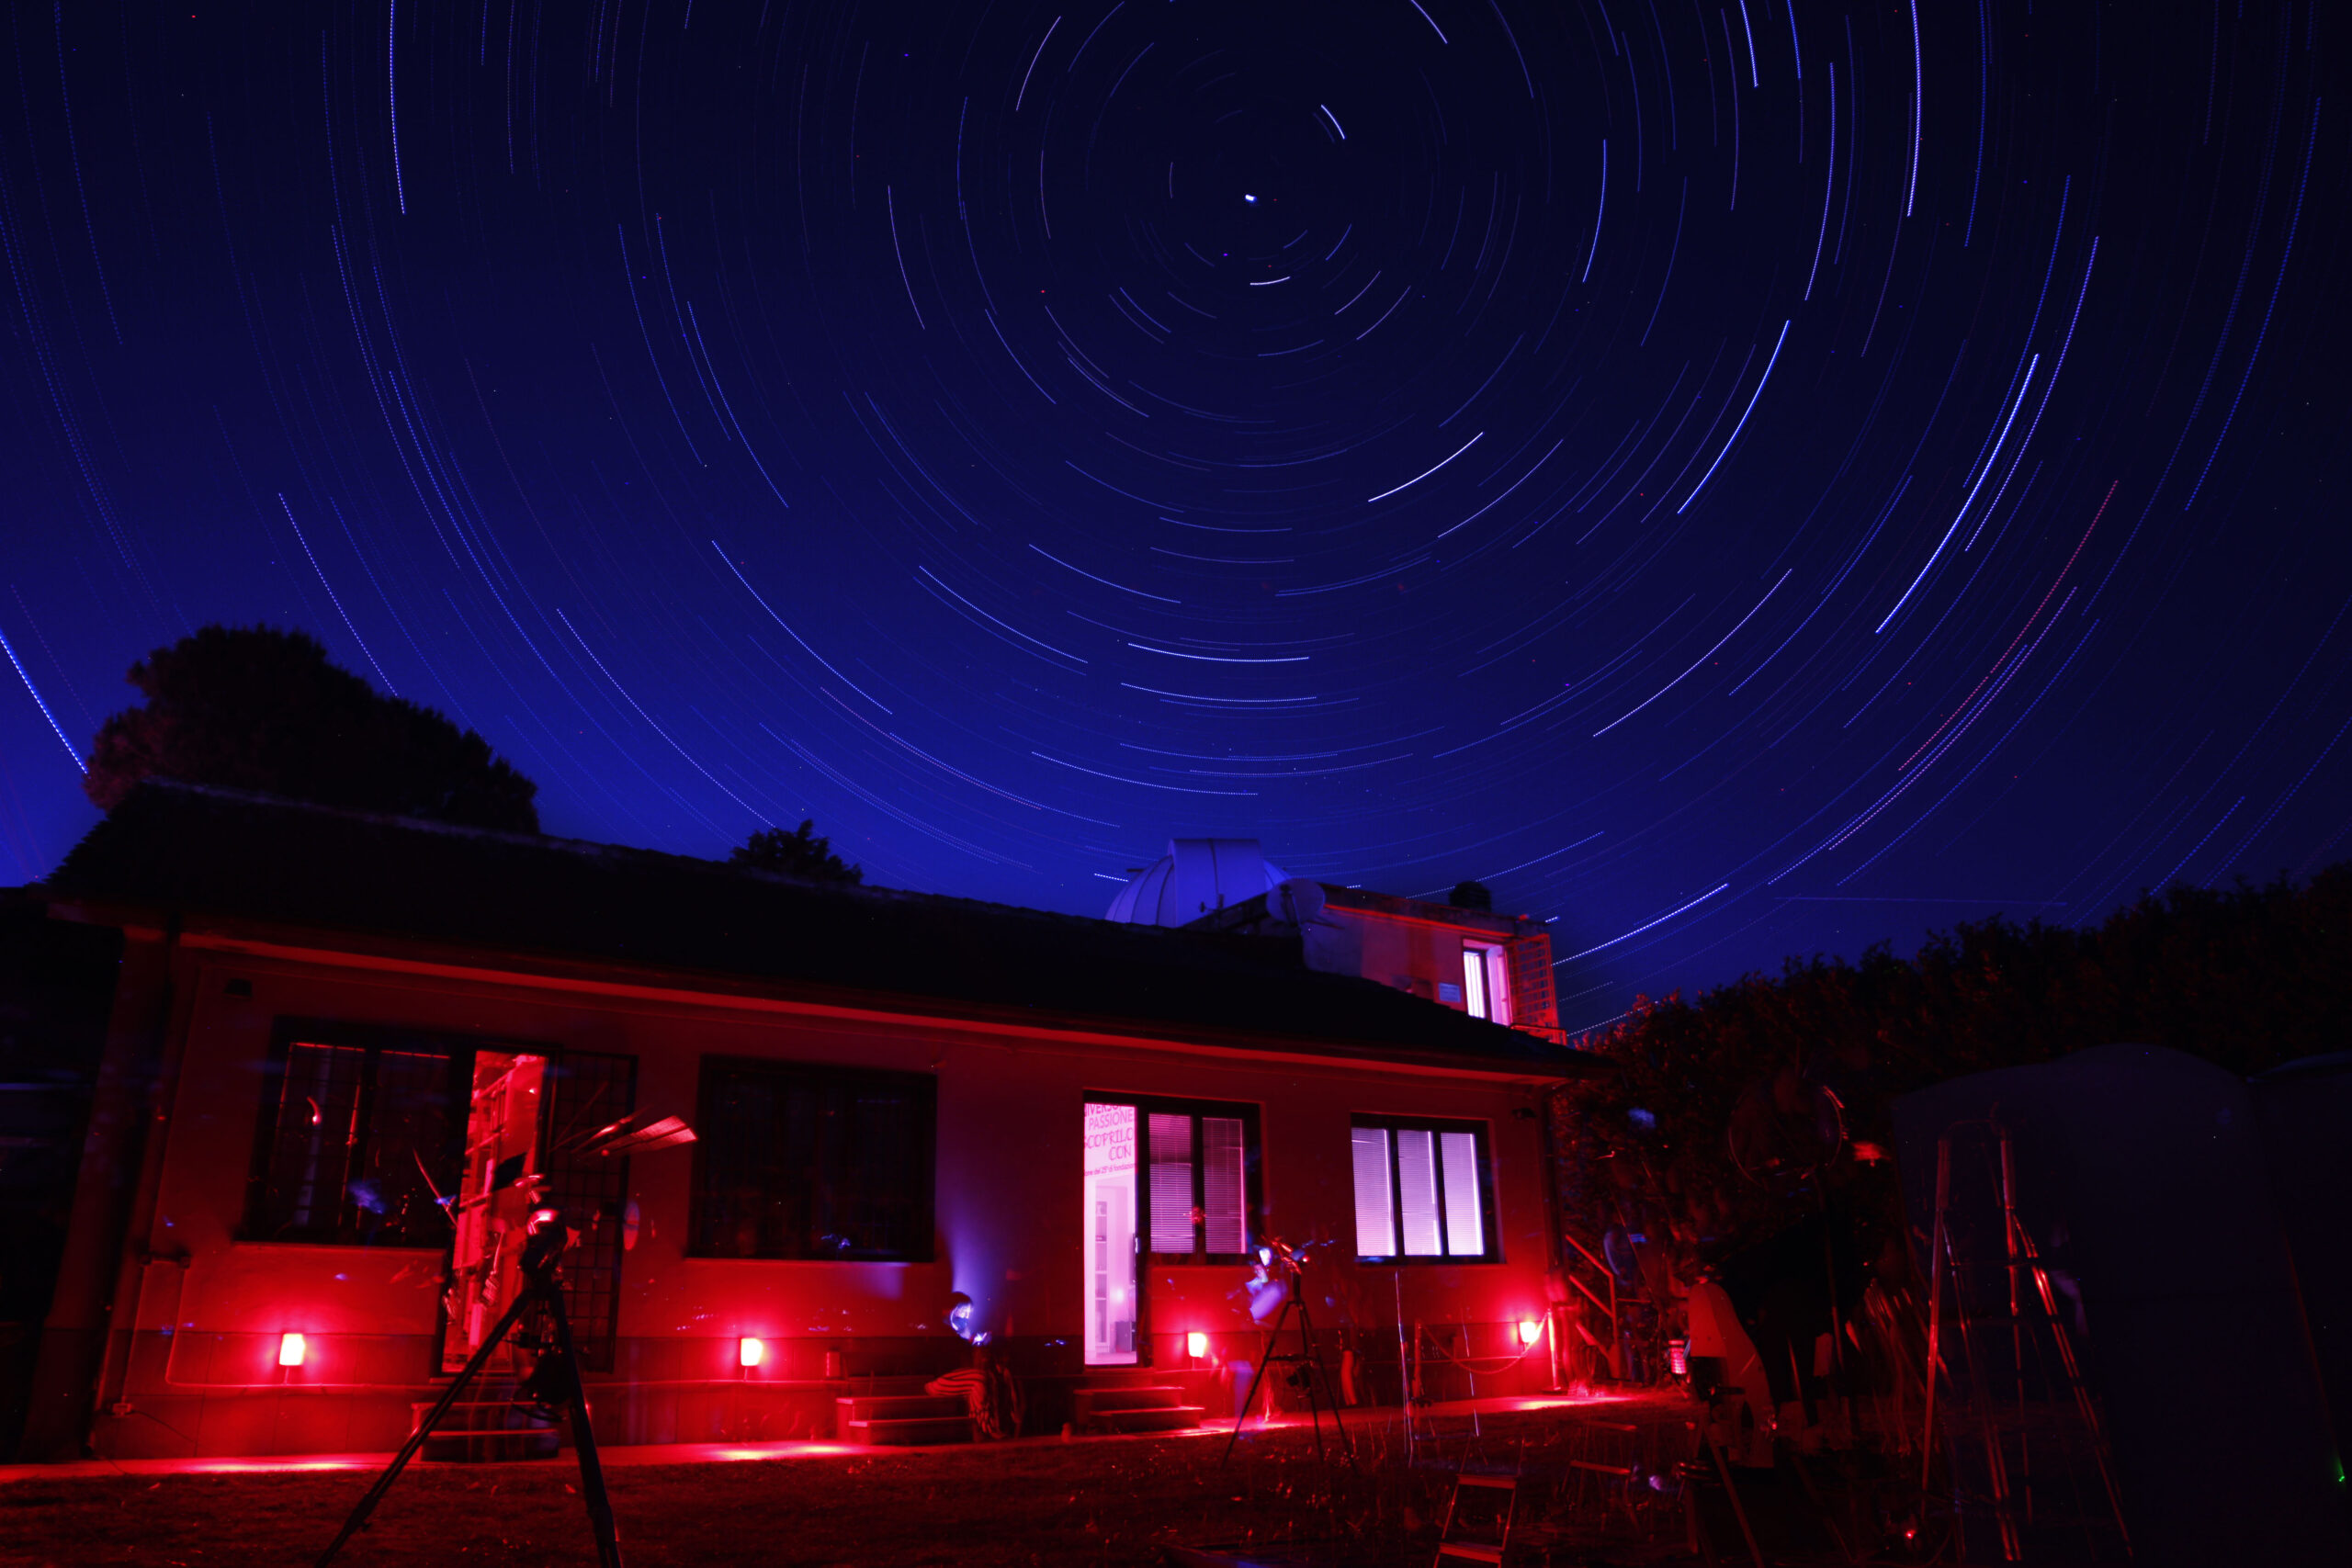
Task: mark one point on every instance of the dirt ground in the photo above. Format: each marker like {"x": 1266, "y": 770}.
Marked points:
{"x": 1033, "y": 1501}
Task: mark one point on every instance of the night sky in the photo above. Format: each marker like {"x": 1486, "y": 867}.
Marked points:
{"x": 1738, "y": 480}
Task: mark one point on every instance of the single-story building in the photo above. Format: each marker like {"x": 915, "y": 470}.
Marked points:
{"x": 335, "y": 1040}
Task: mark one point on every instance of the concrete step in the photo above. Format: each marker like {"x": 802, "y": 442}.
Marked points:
{"x": 899, "y": 1406}
{"x": 903, "y": 1419}
{"x": 910, "y": 1431}
{"x": 1092, "y": 1401}
{"x": 1146, "y": 1418}
{"x": 482, "y": 1431}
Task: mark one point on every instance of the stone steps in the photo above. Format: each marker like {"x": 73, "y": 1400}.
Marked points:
{"x": 1131, "y": 1407}
{"x": 902, "y": 1420}
{"x": 483, "y": 1431}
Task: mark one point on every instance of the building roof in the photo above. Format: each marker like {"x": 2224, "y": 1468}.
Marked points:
{"x": 218, "y": 854}
{"x": 1258, "y": 913}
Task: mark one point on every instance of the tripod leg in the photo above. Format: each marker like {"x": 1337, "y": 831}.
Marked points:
{"x": 1256, "y": 1378}
{"x": 1307, "y": 1342}
{"x": 592, "y": 1469}
{"x": 1314, "y": 1419}
{"x": 358, "y": 1519}
{"x": 1309, "y": 1365}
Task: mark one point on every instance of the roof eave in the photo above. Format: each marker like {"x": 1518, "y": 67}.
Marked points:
{"x": 207, "y": 930}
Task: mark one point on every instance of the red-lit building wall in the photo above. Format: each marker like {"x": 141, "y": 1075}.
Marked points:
{"x": 192, "y": 1368}
{"x": 1416, "y": 946}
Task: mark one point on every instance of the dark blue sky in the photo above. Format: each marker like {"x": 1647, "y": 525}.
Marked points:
{"x": 1738, "y": 479}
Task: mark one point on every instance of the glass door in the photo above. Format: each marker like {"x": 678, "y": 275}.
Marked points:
{"x": 1109, "y": 1192}
{"x": 494, "y": 1199}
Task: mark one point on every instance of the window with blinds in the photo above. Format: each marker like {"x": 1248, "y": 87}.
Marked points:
{"x": 1423, "y": 1191}
{"x": 1199, "y": 1179}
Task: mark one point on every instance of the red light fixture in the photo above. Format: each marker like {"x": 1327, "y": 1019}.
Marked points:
{"x": 1196, "y": 1344}
{"x": 290, "y": 1350}
{"x": 1529, "y": 1330}
{"x": 751, "y": 1350}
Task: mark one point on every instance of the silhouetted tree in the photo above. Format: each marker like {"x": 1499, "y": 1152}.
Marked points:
{"x": 2246, "y": 978}
{"x": 261, "y": 709}
{"x": 1472, "y": 895}
{"x": 801, "y": 852}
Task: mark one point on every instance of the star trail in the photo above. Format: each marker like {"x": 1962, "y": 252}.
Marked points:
{"x": 1742, "y": 480}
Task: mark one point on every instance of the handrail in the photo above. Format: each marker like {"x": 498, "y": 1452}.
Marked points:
{"x": 1608, "y": 1307}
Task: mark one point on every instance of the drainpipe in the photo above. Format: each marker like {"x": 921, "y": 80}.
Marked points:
{"x": 123, "y": 1105}
{"x": 1555, "y": 1260}
{"x": 174, "y": 1016}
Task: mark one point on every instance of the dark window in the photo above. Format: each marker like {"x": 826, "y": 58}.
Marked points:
{"x": 359, "y": 1139}
{"x": 1201, "y": 1179}
{"x": 1424, "y": 1189}
{"x": 798, "y": 1160}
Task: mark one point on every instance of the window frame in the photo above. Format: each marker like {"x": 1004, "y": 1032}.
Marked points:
{"x": 1494, "y": 981}
{"x": 373, "y": 1040}
{"x": 1483, "y": 1154}
{"x": 1254, "y": 1193}
{"x": 593, "y": 1268}
{"x": 593, "y": 1273}
{"x": 708, "y": 1073}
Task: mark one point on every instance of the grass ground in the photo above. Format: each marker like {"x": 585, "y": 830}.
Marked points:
{"x": 1029, "y": 1502}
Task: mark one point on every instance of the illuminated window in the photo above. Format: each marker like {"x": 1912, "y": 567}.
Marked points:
{"x": 1423, "y": 1191}
{"x": 803, "y": 1160}
{"x": 1199, "y": 1179}
{"x": 1486, "y": 981}
{"x": 360, "y": 1136}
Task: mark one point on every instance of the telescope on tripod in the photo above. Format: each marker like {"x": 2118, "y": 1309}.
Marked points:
{"x": 535, "y": 1321}
{"x": 553, "y": 1384}
{"x": 1278, "y": 1278}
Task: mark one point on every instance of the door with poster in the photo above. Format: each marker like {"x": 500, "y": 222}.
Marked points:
{"x": 532, "y": 1120}
{"x": 1113, "y": 1280}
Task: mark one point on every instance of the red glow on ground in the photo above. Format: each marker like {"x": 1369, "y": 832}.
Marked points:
{"x": 646, "y": 1454}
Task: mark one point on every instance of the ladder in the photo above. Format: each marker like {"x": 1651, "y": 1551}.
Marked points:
{"x": 2021, "y": 1433}
{"x": 1486, "y": 1524}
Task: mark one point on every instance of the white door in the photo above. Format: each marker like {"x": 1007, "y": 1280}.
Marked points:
{"x": 1109, "y": 1192}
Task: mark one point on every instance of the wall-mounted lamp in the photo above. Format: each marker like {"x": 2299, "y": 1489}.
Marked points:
{"x": 1197, "y": 1345}
{"x": 751, "y": 1350}
{"x": 290, "y": 1350}
{"x": 1529, "y": 1330}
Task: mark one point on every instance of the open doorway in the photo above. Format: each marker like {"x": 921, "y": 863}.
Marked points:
{"x": 1112, "y": 1297}
{"x": 502, "y": 1147}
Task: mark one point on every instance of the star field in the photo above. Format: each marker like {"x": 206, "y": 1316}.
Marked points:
{"x": 1737, "y": 479}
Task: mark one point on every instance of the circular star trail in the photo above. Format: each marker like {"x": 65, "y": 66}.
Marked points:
{"x": 1734, "y": 479}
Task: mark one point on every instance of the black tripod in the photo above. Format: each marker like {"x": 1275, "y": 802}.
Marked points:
{"x": 555, "y": 1381}
{"x": 1307, "y": 1372}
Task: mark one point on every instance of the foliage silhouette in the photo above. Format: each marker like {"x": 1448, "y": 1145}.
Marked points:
{"x": 801, "y": 852}
{"x": 2247, "y": 978}
{"x": 256, "y": 708}
{"x": 1471, "y": 896}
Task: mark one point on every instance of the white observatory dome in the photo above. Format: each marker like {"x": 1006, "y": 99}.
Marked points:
{"x": 1195, "y": 878}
